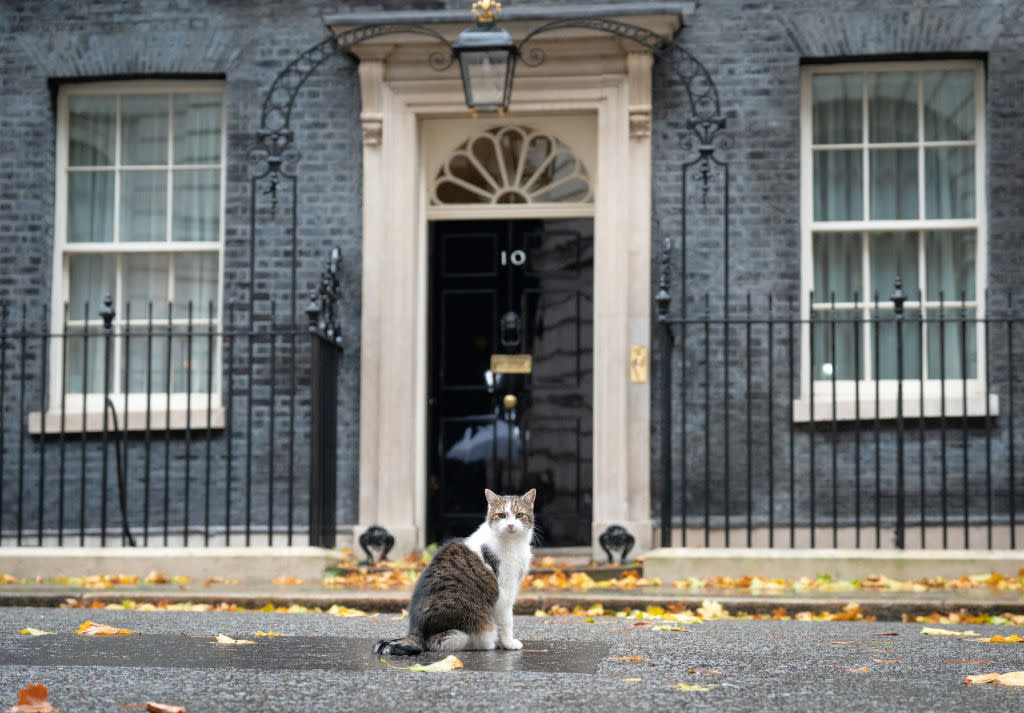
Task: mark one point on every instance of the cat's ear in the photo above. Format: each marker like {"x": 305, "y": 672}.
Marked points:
{"x": 492, "y": 499}
{"x": 529, "y": 497}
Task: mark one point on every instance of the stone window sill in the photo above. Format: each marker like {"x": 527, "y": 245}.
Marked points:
{"x": 159, "y": 420}
{"x": 846, "y": 406}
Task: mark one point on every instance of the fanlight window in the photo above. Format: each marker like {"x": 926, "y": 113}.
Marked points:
{"x": 512, "y": 164}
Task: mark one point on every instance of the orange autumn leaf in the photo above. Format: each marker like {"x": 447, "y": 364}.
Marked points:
{"x": 887, "y": 660}
{"x": 625, "y": 658}
{"x": 283, "y": 579}
{"x": 843, "y": 643}
{"x": 89, "y": 628}
{"x": 154, "y": 707}
{"x": 1013, "y": 678}
{"x": 862, "y": 669}
{"x": 1012, "y": 639}
{"x": 632, "y": 680}
{"x": 32, "y": 699}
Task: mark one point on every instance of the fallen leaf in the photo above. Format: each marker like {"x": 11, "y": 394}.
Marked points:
{"x": 35, "y": 632}
{"x": 844, "y": 643}
{"x": 887, "y": 660}
{"x": 222, "y": 639}
{"x": 89, "y": 628}
{"x": 8, "y": 579}
{"x": 978, "y": 661}
{"x": 267, "y": 633}
{"x": 853, "y": 670}
{"x": 705, "y": 672}
{"x": 632, "y": 680}
{"x": 887, "y": 633}
{"x": 946, "y": 632}
{"x": 690, "y": 687}
{"x": 32, "y": 699}
{"x": 889, "y": 650}
{"x": 450, "y": 663}
{"x": 1013, "y": 678}
{"x": 663, "y": 627}
{"x": 283, "y": 579}
{"x": 625, "y": 658}
{"x": 339, "y": 610}
{"x": 1012, "y": 639}
{"x": 154, "y": 707}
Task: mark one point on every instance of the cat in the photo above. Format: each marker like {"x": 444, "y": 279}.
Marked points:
{"x": 463, "y": 599}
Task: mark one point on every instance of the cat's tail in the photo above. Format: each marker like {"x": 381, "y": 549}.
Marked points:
{"x": 408, "y": 645}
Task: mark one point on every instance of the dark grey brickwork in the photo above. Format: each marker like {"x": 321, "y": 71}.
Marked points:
{"x": 753, "y": 51}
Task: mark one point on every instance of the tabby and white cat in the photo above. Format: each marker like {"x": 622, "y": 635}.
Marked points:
{"x": 464, "y": 598}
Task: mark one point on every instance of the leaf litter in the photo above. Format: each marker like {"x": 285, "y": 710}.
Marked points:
{"x": 32, "y": 699}
{"x": 449, "y": 663}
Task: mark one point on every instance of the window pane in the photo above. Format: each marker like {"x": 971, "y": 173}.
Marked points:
{"x": 144, "y": 280}
{"x": 91, "y": 130}
{"x": 894, "y": 255}
{"x": 143, "y": 206}
{"x": 90, "y": 278}
{"x": 196, "y": 206}
{"x": 951, "y": 336}
{"x": 949, "y": 260}
{"x": 81, "y": 375}
{"x": 144, "y": 129}
{"x": 91, "y": 207}
{"x": 837, "y": 267}
{"x": 894, "y": 184}
{"x": 197, "y": 128}
{"x": 948, "y": 106}
{"x": 892, "y": 107}
{"x": 195, "y": 280}
{"x": 835, "y": 345}
{"x": 148, "y": 365}
{"x": 888, "y": 344}
{"x": 837, "y": 109}
{"x": 838, "y": 185}
{"x": 949, "y": 181}
{"x": 190, "y": 360}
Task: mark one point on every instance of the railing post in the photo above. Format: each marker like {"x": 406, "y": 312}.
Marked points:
{"x": 662, "y": 300}
{"x": 325, "y": 335}
{"x": 107, "y": 313}
{"x": 898, "y": 299}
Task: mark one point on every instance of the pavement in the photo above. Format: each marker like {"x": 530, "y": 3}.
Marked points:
{"x": 324, "y": 663}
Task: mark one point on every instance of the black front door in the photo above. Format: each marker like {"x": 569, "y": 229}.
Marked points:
{"x": 511, "y": 373}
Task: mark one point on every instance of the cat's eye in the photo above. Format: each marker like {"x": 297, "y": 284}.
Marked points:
{"x": 500, "y": 515}
{"x": 521, "y": 515}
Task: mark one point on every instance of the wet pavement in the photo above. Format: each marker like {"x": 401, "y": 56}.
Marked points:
{"x": 324, "y": 664}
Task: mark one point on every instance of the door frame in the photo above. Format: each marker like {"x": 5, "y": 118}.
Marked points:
{"x": 594, "y": 76}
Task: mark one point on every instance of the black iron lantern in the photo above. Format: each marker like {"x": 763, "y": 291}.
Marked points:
{"x": 487, "y": 60}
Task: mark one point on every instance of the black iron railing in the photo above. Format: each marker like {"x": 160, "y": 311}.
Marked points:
{"x": 169, "y": 431}
{"x": 907, "y": 436}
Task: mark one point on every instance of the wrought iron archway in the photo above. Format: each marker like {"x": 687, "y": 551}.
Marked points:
{"x": 274, "y": 160}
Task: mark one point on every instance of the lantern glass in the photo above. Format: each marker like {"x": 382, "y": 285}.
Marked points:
{"x": 485, "y": 75}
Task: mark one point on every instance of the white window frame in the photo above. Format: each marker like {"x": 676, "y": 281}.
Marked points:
{"x": 846, "y": 405}
{"x": 178, "y": 409}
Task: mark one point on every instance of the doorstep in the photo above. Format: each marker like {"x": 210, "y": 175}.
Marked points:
{"x": 670, "y": 564}
{"x": 244, "y": 564}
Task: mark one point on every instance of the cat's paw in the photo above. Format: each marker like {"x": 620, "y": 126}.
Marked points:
{"x": 512, "y": 644}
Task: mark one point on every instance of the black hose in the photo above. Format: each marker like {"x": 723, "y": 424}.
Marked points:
{"x": 122, "y": 485}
